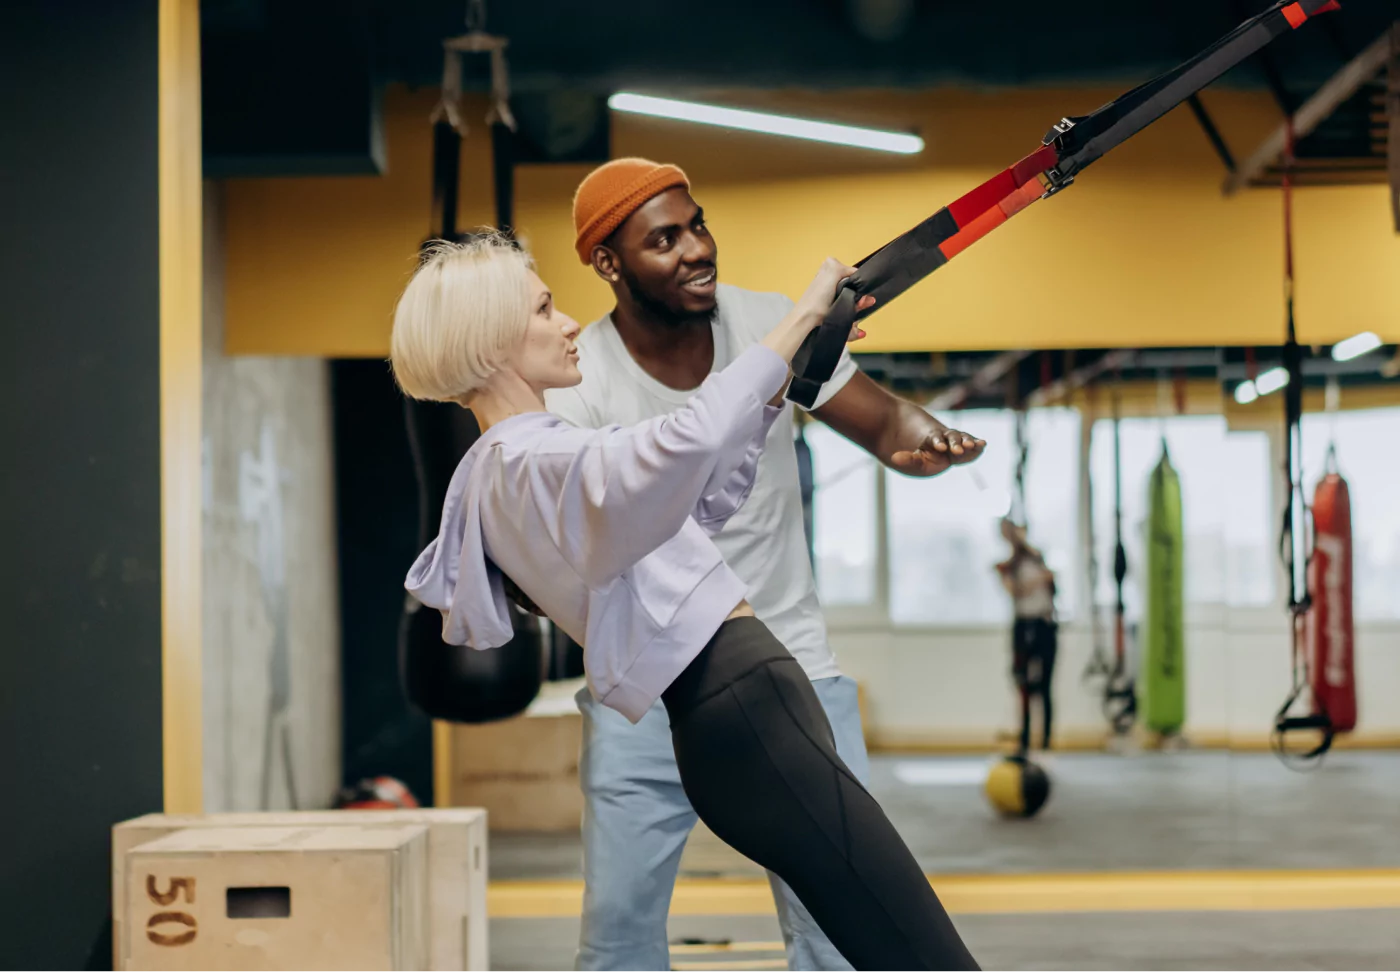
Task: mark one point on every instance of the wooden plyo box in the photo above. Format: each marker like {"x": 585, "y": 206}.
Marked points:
{"x": 339, "y": 897}
{"x": 457, "y": 870}
{"x": 523, "y": 771}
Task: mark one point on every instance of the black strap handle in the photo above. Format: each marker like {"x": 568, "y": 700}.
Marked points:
{"x": 1290, "y": 724}
{"x": 884, "y": 275}
{"x": 815, "y": 361}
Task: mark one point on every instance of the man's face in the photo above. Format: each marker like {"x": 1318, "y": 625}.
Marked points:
{"x": 667, "y": 258}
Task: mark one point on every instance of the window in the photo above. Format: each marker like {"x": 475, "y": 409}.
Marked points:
{"x": 1368, "y": 461}
{"x": 1225, "y": 500}
{"x": 944, "y": 533}
{"x": 1251, "y": 529}
{"x": 843, "y": 515}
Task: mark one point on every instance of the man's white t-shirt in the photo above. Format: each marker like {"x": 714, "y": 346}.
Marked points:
{"x": 764, "y": 543}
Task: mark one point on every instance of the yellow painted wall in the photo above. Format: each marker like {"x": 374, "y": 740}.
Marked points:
{"x": 181, "y": 298}
{"x": 1142, "y": 251}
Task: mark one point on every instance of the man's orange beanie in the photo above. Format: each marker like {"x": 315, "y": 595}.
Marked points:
{"x": 614, "y": 191}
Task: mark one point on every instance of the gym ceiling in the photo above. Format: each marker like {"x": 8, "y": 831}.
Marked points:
{"x": 293, "y": 87}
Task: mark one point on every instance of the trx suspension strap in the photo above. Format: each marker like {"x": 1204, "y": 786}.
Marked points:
{"x": 1070, "y": 146}
{"x": 1100, "y": 664}
{"x": 1018, "y": 512}
{"x": 1119, "y": 693}
{"x": 1295, "y": 513}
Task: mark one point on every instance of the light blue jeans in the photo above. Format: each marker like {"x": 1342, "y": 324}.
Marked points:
{"x": 636, "y": 819}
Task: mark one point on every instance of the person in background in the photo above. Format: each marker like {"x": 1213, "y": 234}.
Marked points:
{"x": 1034, "y": 634}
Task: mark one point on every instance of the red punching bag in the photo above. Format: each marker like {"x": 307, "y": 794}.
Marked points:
{"x": 1330, "y": 634}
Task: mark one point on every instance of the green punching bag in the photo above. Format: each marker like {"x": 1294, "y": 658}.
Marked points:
{"x": 1164, "y": 655}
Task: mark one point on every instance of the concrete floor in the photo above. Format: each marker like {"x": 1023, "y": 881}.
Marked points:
{"x": 1154, "y": 811}
{"x": 1165, "y": 940}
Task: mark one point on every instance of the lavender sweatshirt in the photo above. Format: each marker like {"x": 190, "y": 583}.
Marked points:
{"x": 606, "y": 530}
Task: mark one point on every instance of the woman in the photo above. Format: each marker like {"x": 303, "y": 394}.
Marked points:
{"x": 607, "y": 531}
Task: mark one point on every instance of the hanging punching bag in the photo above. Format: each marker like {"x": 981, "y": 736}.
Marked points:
{"x": 454, "y": 682}
{"x": 1330, "y": 636}
{"x": 1164, "y": 660}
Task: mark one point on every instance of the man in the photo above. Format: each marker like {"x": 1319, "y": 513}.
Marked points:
{"x": 1034, "y": 633}
{"x": 674, "y": 324}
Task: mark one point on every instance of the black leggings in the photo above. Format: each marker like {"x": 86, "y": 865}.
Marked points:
{"x": 758, "y": 761}
{"x": 1034, "y": 643}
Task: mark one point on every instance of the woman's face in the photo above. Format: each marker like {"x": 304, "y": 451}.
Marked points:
{"x": 547, "y": 356}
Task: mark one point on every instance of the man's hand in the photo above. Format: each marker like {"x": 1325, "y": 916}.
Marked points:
{"x": 940, "y": 449}
{"x": 897, "y": 432}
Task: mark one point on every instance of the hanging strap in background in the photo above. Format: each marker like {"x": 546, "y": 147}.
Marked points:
{"x": 1070, "y": 146}
{"x": 447, "y": 165}
{"x": 449, "y": 127}
{"x": 1100, "y": 664}
{"x": 1119, "y": 693}
{"x": 1019, "y": 512}
{"x": 1295, "y": 509}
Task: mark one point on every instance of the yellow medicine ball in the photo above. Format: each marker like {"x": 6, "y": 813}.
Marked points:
{"x": 1016, "y": 787}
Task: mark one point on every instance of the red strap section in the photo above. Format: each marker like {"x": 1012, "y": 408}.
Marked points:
{"x": 1021, "y": 198}
{"x": 970, "y": 206}
{"x": 1297, "y": 17}
{"x": 972, "y": 232}
{"x": 1034, "y": 164}
{"x": 973, "y": 204}
{"x": 1010, "y": 205}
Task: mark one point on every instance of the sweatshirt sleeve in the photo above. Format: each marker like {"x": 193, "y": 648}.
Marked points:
{"x": 623, "y": 491}
{"x": 728, "y": 496}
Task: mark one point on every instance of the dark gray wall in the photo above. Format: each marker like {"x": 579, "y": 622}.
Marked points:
{"x": 80, "y": 696}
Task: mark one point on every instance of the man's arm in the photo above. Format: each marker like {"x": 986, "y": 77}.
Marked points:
{"x": 897, "y": 432}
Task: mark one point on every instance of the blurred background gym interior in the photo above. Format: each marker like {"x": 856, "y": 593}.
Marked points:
{"x": 213, "y": 488}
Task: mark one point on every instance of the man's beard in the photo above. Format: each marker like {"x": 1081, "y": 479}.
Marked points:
{"x": 658, "y": 311}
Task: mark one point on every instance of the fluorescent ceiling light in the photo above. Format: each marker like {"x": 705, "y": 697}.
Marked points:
{"x": 1245, "y": 392}
{"x": 1271, "y": 380}
{"x": 757, "y": 121}
{"x": 1355, "y": 346}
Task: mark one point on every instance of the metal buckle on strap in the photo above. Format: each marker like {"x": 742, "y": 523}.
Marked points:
{"x": 1054, "y": 182}
{"x": 1057, "y": 131}
{"x": 1053, "y": 179}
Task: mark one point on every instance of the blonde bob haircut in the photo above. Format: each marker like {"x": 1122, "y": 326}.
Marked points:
{"x": 464, "y": 310}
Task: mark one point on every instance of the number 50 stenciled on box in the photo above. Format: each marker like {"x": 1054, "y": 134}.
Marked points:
{"x": 279, "y": 898}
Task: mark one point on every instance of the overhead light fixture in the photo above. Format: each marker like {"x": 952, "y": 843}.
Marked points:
{"x": 759, "y": 121}
{"x": 1245, "y": 392}
{"x": 1271, "y": 381}
{"x": 1355, "y": 346}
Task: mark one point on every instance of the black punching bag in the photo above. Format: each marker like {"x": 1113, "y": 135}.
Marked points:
{"x": 453, "y": 682}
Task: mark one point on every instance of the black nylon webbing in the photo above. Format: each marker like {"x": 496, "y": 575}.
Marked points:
{"x": 1077, "y": 143}
{"x": 1122, "y": 118}
{"x": 885, "y": 274}
{"x": 893, "y": 269}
